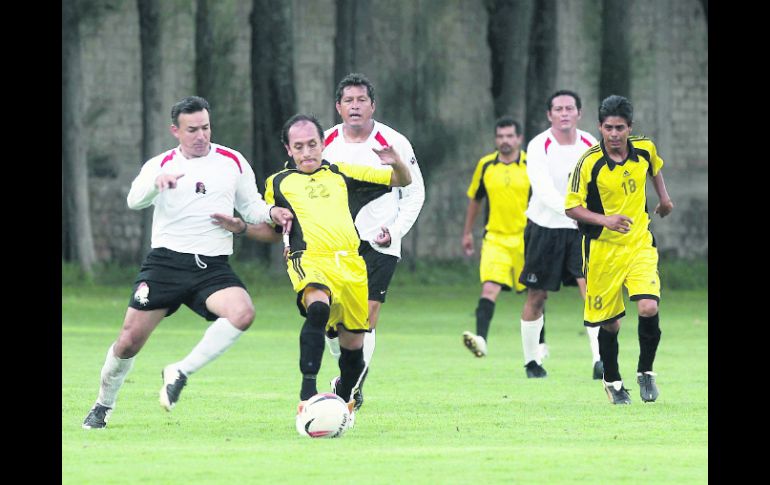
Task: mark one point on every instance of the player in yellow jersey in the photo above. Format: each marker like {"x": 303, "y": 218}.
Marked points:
{"x": 501, "y": 178}
{"x": 323, "y": 263}
{"x": 607, "y": 196}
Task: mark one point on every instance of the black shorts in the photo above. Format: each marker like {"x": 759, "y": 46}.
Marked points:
{"x": 551, "y": 257}
{"x": 379, "y": 270}
{"x": 168, "y": 279}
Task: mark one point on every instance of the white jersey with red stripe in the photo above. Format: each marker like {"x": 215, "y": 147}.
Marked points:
{"x": 217, "y": 182}
{"x": 549, "y": 165}
{"x": 398, "y": 209}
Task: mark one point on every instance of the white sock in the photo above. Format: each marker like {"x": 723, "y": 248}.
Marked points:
{"x": 114, "y": 372}
{"x": 218, "y": 337}
{"x": 368, "y": 346}
{"x": 593, "y": 339}
{"x": 530, "y": 339}
{"x": 334, "y": 346}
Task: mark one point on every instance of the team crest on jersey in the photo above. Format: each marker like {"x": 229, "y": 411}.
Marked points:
{"x": 142, "y": 293}
{"x": 200, "y": 188}
{"x": 532, "y": 278}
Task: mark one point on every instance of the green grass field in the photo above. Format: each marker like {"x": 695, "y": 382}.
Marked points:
{"x": 433, "y": 413}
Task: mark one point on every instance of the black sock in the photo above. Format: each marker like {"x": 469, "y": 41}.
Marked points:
{"x": 542, "y": 330}
{"x": 351, "y": 366}
{"x": 649, "y": 338}
{"x": 608, "y": 350}
{"x": 311, "y": 347}
{"x": 484, "y": 312}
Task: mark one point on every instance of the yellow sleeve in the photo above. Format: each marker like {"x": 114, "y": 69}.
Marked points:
{"x": 364, "y": 173}
{"x": 473, "y": 188}
{"x": 269, "y": 195}
{"x": 655, "y": 160}
{"x": 577, "y": 187}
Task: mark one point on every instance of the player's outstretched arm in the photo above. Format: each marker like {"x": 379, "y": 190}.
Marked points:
{"x": 259, "y": 232}
{"x": 401, "y": 175}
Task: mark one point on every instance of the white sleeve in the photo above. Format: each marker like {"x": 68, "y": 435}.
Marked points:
{"x": 411, "y": 198}
{"x": 143, "y": 191}
{"x": 248, "y": 200}
{"x": 540, "y": 179}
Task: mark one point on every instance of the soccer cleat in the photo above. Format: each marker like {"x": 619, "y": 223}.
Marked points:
{"x": 358, "y": 395}
{"x": 647, "y": 388}
{"x": 97, "y": 418}
{"x": 598, "y": 370}
{"x": 475, "y": 344}
{"x": 535, "y": 370}
{"x": 542, "y": 351}
{"x": 616, "y": 393}
{"x": 173, "y": 383}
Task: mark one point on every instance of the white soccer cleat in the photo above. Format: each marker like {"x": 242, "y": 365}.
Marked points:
{"x": 475, "y": 344}
{"x": 173, "y": 383}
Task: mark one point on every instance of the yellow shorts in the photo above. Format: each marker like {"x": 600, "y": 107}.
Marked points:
{"x": 343, "y": 276}
{"x": 502, "y": 259}
{"x": 608, "y": 268}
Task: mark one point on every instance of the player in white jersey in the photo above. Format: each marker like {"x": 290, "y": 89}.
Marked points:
{"x": 552, "y": 242}
{"x": 383, "y": 222}
{"x": 188, "y": 261}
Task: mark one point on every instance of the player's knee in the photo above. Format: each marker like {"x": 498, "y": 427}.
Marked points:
{"x": 318, "y": 314}
{"x": 490, "y": 291}
{"x": 537, "y": 298}
{"x": 126, "y": 346}
{"x": 648, "y": 308}
{"x": 242, "y": 317}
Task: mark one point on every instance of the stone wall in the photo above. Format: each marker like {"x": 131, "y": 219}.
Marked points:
{"x": 429, "y": 60}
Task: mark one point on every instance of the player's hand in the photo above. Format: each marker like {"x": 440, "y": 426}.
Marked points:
{"x": 618, "y": 223}
{"x": 468, "y": 244}
{"x": 388, "y": 155}
{"x": 383, "y": 238}
{"x": 664, "y": 208}
{"x": 281, "y": 216}
{"x": 230, "y": 223}
{"x": 286, "y": 244}
{"x": 167, "y": 181}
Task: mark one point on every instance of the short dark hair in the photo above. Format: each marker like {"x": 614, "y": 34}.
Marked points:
{"x": 190, "y": 104}
{"x": 355, "y": 79}
{"x": 615, "y": 105}
{"x": 565, "y": 92}
{"x": 507, "y": 120}
{"x": 296, "y": 119}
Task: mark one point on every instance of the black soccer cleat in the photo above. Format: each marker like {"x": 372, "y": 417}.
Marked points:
{"x": 598, "y": 370}
{"x": 535, "y": 370}
{"x": 173, "y": 383}
{"x": 357, "y": 393}
{"x": 97, "y": 418}
{"x": 616, "y": 392}
{"x": 647, "y": 388}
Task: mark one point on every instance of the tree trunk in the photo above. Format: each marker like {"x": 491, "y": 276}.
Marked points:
{"x": 204, "y": 51}
{"x": 541, "y": 71}
{"x": 150, "y": 40}
{"x": 508, "y": 36}
{"x": 616, "y": 51}
{"x": 273, "y": 97}
{"x": 74, "y": 162}
{"x": 345, "y": 42}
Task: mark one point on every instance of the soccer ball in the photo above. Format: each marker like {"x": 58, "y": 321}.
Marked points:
{"x": 324, "y": 415}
